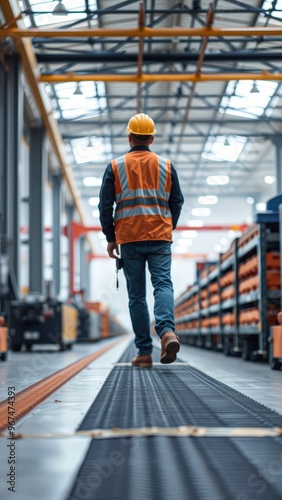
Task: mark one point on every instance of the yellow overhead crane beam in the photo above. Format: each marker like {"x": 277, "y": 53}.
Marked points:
{"x": 141, "y": 32}
{"x": 32, "y": 73}
{"x": 159, "y": 77}
{"x": 144, "y": 32}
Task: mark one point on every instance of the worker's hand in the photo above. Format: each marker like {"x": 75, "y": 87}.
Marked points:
{"x": 110, "y": 249}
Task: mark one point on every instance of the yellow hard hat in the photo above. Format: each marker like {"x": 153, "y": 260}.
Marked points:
{"x": 141, "y": 124}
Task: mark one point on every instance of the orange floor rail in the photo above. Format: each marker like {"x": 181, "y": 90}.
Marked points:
{"x": 29, "y": 398}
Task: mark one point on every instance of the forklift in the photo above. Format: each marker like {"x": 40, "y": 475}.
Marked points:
{"x": 39, "y": 319}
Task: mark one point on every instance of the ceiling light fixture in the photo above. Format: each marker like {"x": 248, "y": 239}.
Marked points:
{"x": 223, "y": 241}
{"x": 185, "y": 242}
{"x": 202, "y": 212}
{"x": 77, "y": 90}
{"x": 60, "y": 9}
{"x": 269, "y": 179}
{"x": 195, "y": 223}
{"x": 261, "y": 207}
{"x": 181, "y": 249}
{"x": 217, "y": 180}
{"x": 207, "y": 200}
{"x": 190, "y": 233}
{"x": 250, "y": 200}
{"x": 94, "y": 201}
{"x": 254, "y": 89}
{"x": 231, "y": 233}
{"x": 92, "y": 181}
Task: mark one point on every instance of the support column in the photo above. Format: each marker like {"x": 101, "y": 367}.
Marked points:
{"x": 254, "y": 210}
{"x": 278, "y": 163}
{"x": 37, "y": 179}
{"x": 2, "y": 155}
{"x": 88, "y": 277}
{"x": 14, "y": 131}
{"x": 56, "y": 233}
{"x": 69, "y": 213}
{"x": 82, "y": 254}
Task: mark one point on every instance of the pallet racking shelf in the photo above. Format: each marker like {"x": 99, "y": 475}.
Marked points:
{"x": 238, "y": 297}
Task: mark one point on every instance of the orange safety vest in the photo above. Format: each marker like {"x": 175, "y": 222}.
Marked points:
{"x": 142, "y": 190}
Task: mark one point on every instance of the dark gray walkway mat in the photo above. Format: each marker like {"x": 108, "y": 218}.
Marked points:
{"x": 180, "y": 468}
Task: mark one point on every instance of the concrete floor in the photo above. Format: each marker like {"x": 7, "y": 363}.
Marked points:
{"x": 45, "y": 468}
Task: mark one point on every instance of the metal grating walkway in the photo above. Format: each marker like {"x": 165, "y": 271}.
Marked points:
{"x": 166, "y": 468}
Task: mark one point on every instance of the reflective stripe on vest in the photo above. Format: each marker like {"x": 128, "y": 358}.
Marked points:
{"x": 142, "y": 201}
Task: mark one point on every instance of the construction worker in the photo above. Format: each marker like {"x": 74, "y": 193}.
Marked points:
{"x": 148, "y": 199}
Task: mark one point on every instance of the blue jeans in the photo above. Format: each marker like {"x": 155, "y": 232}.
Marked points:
{"x": 158, "y": 255}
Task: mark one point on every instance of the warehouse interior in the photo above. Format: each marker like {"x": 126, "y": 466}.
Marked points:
{"x": 81, "y": 422}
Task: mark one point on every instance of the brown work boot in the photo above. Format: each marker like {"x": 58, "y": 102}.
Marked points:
{"x": 170, "y": 346}
{"x": 143, "y": 361}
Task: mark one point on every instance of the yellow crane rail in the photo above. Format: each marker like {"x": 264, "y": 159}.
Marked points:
{"x": 159, "y": 77}
{"x": 142, "y": 32}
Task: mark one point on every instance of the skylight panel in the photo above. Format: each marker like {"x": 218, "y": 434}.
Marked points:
{"x": 97, "y": 150}
{"x": 91, "y": 101}
{"x": 268, "y": 5}
{"x": 223, "y": 148}
{"x": 75, "y": 8}
{"x": 242, "y": 100}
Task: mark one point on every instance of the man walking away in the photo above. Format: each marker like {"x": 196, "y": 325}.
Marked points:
{"x": 148, "y": 199}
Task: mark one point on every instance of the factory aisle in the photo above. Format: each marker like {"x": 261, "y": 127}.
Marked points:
{"x": 109, "y": 393}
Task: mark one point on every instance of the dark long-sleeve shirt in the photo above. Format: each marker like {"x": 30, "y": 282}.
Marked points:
{"x": 107, "y": 198}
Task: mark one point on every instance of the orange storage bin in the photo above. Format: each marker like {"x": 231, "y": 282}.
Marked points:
{"x": 228, "y": 253}
{"x": 251, "y": 315}
{"x": 204, "y": 323}
{"x": 204, "y": 304}
{"x": 277, "y": 341}
{"x": 214, "y": 299}
{"x": 228, "y": 293}
{"x": 228, "y": 319}
{"x": 273, "y": 260}
{"x": 248, "y": 235}
{"x": 214, "y": 321}
{"x": 273, "y": 280}
{"x": 227, "y": 279}
{"x": 249, "y": 267}
{"x": 3, "y": 339}
{"x": 213, "y": 288}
